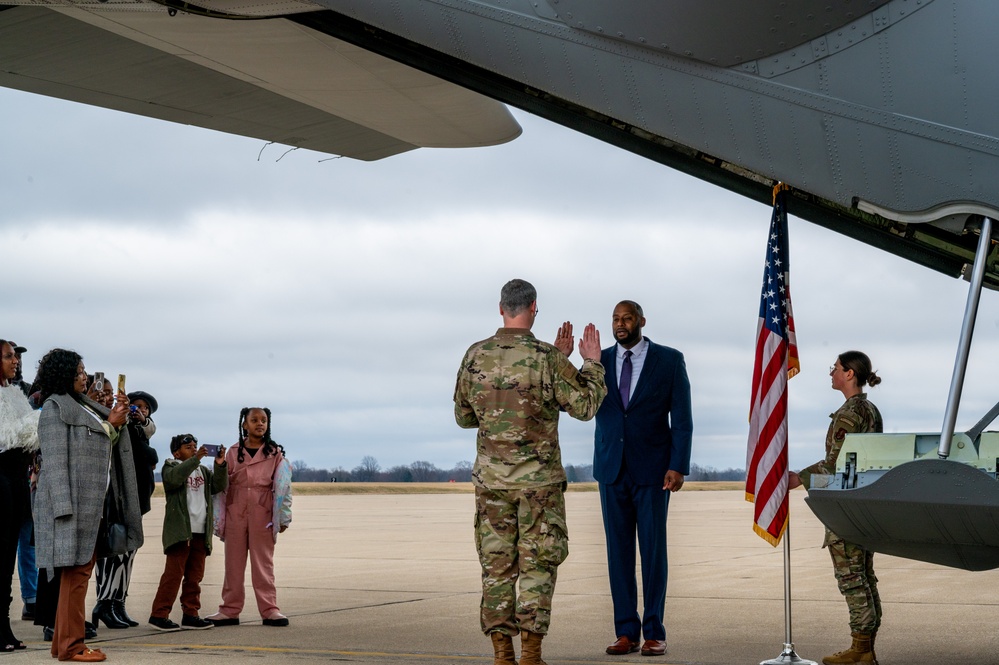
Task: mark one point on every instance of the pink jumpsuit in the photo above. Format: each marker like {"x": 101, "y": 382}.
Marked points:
{"x": 249, "y": 528}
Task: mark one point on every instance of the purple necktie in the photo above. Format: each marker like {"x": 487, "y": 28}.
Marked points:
{"x": 625, "y": 383}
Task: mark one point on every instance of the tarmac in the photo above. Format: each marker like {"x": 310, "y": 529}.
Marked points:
{"x": 395, "y": 579}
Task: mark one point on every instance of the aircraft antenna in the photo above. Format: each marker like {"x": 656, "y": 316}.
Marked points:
{"x": 263, "y": 148}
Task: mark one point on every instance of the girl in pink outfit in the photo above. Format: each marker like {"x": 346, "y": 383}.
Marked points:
{"x": 250, "y": 515}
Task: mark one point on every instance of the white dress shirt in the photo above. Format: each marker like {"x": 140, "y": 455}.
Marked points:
{"x": 638, "y": 354}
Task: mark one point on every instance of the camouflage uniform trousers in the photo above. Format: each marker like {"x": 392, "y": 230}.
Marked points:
{"x": 519, "y": 534}
{"x": 854, "y": 568}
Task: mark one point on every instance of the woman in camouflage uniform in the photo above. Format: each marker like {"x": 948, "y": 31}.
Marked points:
{"x": 853, "y": 565}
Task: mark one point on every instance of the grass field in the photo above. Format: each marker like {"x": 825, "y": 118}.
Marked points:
{"x": 458, "y": 488}
{"x": 327, "y": 489}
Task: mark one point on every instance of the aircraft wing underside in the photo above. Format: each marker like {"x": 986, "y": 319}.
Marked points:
{"x": 878, "y": 114}
{"x": 269, "y": 79}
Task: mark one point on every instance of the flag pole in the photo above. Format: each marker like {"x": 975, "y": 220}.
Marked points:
{"x": 788, "y": 655}
{"x": 776, "y": 321}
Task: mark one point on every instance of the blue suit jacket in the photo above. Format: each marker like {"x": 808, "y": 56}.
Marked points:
{"x": 653, "y": 435}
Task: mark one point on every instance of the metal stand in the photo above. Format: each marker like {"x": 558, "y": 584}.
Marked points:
{"x": 787, "y": 655}
{"x": 967, "y": 328}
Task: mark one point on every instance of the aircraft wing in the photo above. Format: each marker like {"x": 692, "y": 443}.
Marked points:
{"x": 270, "y": 79}
{"x": 876, "y": 113}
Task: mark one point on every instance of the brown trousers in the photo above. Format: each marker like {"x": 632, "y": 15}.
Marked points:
{"x": 70, "y": 622}
{"x": 185, "y": 564}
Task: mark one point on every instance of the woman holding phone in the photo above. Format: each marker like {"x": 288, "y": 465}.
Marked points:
{"x": 86, "y": 467}
{"x": 114, "y": 573}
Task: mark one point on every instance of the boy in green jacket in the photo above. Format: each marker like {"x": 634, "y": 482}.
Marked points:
{"x": 187, "y": 530}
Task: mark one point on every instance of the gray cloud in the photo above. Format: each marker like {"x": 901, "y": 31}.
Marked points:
{"x": 343, "y": 294}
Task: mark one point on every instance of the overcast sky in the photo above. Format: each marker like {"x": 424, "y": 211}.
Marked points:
{"x": 219, "y": 273}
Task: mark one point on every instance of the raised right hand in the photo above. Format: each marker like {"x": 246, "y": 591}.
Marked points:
{"x": 589, "y": 345}
{"x": 564, "y": 340}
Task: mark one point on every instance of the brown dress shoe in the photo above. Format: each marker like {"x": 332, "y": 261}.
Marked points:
{"x": 654, "y": 648}
{"x": 89, "y": 656}
{"x": 622, "y": 646}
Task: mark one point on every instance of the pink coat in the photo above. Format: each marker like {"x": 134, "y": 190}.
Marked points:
{"x": 257, "y": 478}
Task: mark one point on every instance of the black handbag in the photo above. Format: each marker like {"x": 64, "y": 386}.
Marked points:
{"x": 112, "y": 536}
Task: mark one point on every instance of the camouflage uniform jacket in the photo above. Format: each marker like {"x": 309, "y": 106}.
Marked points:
{"x": 512, "y": 387}
{"x": 857, "y": 415}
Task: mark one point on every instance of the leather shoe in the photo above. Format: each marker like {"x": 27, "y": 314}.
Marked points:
{"x": 90, "y": 629}
{"x": 622, "y": 646}
{"x": 219, "y": 619}
{"x": 89, "y": 656}
{"x": 654, "y": 648}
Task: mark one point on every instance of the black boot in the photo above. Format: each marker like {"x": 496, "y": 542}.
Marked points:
{"x": 28, "y": 613}
{"x": 118, "y": 607}
{"x": 104, "y": 611}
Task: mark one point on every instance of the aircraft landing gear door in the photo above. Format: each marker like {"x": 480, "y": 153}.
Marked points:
{"x": 967, "y": 328}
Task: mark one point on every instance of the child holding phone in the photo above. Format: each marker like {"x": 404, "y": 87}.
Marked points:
{"x": 187, "y": 530}
{"x": 250, "y": 515}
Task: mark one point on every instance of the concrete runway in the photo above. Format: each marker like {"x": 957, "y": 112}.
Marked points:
{"x": 395, "y": 579}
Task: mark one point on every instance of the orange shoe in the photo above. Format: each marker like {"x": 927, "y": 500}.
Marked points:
{"x": 89, "y": 656}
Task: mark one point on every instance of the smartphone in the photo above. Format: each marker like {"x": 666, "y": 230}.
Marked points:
{"x": 98, "y": 381}
{"x": 212, "y": 448}
{"x": 121, "y": 383}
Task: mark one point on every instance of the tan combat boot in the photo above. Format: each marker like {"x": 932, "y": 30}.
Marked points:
{"x": 530, "y": 648}
{"x": 503, "y": 649}
{"x": 860, "y": 653}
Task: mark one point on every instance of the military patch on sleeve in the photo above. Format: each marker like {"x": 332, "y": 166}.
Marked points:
{"x": 840, "y": 434}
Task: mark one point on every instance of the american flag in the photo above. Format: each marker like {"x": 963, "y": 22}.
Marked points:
{"x": 776, "y": 362}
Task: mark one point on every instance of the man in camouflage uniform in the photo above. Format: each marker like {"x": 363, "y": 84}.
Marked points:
{"x": 852, "y": 564}
{"x": 512, "y": 387}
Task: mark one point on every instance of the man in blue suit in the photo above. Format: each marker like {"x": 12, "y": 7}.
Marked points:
{"x": 641, "y": 454}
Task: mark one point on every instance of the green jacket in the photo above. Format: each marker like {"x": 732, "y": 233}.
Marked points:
{"x": 512, "y": 387}
{"x": 177, "y": 522}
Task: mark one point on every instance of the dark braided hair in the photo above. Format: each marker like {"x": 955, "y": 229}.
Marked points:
{"x": 270, "y": 446}
{"x": 57, "y": 374}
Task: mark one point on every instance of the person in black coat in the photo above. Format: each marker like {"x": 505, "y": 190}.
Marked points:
{"x": 115, "y": 572}
{"x": 18, "y": 442}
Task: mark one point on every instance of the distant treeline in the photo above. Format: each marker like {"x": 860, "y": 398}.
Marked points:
{"x": 708, "y": 473}
{"x": 369, "y": 471}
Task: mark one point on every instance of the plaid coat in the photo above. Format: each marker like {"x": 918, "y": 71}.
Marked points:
{"x": 76, "y": 471}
